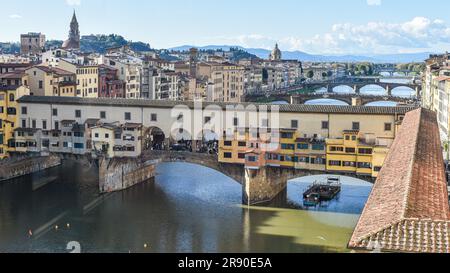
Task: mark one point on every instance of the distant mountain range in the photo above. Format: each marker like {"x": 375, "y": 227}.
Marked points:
{"x": 99, "y": 44}
{"x": 305, "y": 57}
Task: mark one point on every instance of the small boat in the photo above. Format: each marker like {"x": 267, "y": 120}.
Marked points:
{"x": 322, "y": 192}
{"x": 311, "y": 200}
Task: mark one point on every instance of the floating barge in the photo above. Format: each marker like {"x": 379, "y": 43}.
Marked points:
{"x": 322, "y": 192}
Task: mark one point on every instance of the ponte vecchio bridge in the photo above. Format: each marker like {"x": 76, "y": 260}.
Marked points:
{"x": 408, "y": 209}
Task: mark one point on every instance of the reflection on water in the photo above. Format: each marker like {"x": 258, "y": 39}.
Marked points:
{"x": 187, "y": 208}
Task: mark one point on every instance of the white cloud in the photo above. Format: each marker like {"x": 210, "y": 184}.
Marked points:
{"x": 374, "y": 2}
{"x": 73, "y": 2}
{"x": 417, "y": 35}
{"x": 15, "y": 16}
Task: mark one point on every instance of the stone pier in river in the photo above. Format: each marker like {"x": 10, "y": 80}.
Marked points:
{"x": 122, "y": 173}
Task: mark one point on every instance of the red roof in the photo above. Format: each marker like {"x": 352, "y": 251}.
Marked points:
{"x": 408, "y": 209}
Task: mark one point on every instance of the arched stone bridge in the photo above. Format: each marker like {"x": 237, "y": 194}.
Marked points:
{"x": 349, "y": 98}
{"x": 258, "y": 186}
{"x": 388, "y": 87}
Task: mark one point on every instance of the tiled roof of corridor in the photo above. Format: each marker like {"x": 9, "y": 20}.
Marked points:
{"x": 408, "y": 209}
{"x": 291, "y": 108}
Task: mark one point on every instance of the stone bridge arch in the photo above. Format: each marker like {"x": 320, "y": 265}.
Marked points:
{"x": 346, "y": 100}
{"x": 258, "y": 185}
{"x": 364, "y": 90}
{"x": 332, "y": 88}
{"x": 395, "y": 89}
{"x": 153, "y": 138}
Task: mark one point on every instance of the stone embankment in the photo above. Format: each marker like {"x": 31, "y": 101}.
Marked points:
{"x": 20, "y": 166}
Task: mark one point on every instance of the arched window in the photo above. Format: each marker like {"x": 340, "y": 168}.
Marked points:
{"x": 11, "y": 97}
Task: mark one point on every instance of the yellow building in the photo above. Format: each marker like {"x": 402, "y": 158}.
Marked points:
{"x": 86, "y": 78}
{"x": 51, "y": 81}
{"x": 227, "y": 78}
{"x": 8, "y": 116}
{"x": 234, "y": 147}
{"x": 355, "y": 155}
{"x": 310, "y": 154}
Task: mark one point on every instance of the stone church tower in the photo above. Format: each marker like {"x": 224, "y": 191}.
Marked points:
{"x": 74, "y": 35}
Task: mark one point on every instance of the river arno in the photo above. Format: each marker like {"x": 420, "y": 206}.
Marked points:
{"x": 187, "y": 208}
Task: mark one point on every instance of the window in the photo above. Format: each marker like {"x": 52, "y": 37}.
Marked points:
{"x": 33, "y": 124}
{"x": 325, "y": 125}
{"x": 287, "y": 135}
{"x": 79, "y": 146}
{"x": 228, "y": 155}
{"x": 241, "y": 156}
{"x": 252, "y": 158}
{"x": 207, "y": 120}
{"x": 350, "y": 150}
{"x": 24, "y": 123}
{"x": 377, "y": 169}
{"x": 11, "y": 97}
{"x": 294, "y": 124}
{"x": 106, "y": 135}
{"x": 364, "y": 165}
{"x": 303, "y": 146}
{"x": 2, "y": 110}
{"x": 265, "y": 123}
{"x": 228, "y": 143}
{"x": 304, "y": 159}
{"x": 318, "y": 147}
{"x": 365, "y": 151}
{"x": 44, "y": 124}
{"x": 287, "y": 146}
{"x": 56, "y": 125}
{"x": 336, "y": 149}
{"x": 96, "y": 135}
{"x": 236, "y": 122}
{"x": 127, "y": 116}
{"x": 242, "y": 144}
{"x": 334, "y": 163}
{"x": 388, "y": 127}
{"x": 102, "y": 115}
{"x": 154, "y": 118}
{"x": 349, "y": 164}
{"x": 78, "y": 134}
{"x": 355, "y": 126}
{"x": 24, "y": 110}
{"x": 41, "y": 85}
{"x": 77, "y": 113}
{"x": 11, "y": 111}
{"x": 55, "y": 112}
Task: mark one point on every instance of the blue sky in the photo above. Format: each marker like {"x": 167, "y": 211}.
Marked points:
{"x": 314, "y": 26}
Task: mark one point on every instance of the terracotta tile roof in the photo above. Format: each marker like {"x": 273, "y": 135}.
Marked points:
{"x": 408, "y": 209}
{"x": 55, "y": 70}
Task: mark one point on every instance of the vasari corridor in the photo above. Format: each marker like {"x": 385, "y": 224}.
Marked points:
{"x": 224, "y": 128}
